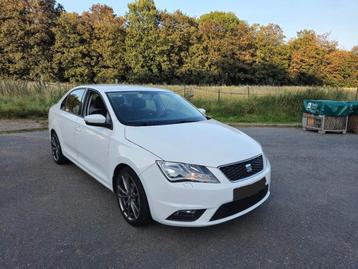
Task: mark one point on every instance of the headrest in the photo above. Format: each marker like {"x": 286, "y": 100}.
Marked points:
{"x": 98, "y": 103}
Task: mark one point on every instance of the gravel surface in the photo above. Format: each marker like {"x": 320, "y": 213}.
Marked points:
{"x": 13, "y": 125}
{"x": 58, "y": 216}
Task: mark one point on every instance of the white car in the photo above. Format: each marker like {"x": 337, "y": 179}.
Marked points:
{"x": 162, "y": 157}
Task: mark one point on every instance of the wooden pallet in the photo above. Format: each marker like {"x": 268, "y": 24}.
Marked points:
{"x": 324, "y": 124}
{"x": 353, "y": 124}
{"x": 324, "y": 131}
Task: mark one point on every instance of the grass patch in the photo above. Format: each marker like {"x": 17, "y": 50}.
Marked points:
{"x": 21, "y": 99}
{"x": 280, "y": 108}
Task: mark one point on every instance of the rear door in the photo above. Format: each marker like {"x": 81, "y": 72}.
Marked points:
{"x": 70, "y": 120}
{"x": 93, "y": 141}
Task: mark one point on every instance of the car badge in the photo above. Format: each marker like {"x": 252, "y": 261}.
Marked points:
{"x": 248, "y": 168}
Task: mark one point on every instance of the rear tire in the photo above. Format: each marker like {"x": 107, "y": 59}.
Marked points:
{"x": 131, "y": 197}
{"x": 56, "y": 150}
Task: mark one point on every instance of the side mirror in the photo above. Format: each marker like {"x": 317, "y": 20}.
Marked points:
{"x": 96, "y": 120}
{"x": 202, "y": 111}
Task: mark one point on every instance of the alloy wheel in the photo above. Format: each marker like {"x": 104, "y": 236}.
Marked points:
{"x": 55, "y": 148}
{"x": 128, "y": 196}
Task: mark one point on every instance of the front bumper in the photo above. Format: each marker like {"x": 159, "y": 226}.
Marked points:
{"x": 165, "y": 197}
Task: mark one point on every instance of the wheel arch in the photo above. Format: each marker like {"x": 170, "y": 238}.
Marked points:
{"x": 125, "y": 165}
{"x": 53, "y": 131}
{"x": 116, "y": 171}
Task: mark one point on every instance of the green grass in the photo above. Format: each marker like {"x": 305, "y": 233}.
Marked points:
{"x": 279, "y": 108}
{"x": 19, "y": 99}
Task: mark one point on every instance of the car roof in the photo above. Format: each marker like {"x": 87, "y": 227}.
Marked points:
{"x": 118, "y": 87}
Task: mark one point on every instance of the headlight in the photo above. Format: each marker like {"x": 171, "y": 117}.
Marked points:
{"x": 178, "y": 172}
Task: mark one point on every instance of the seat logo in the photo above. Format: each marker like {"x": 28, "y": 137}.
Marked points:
{"x": 248, "y": 168}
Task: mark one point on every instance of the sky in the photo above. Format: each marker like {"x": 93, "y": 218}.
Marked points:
{"x": 339, "y": 18}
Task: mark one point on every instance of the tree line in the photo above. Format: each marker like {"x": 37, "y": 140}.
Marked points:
{"x": 39, "y": 40}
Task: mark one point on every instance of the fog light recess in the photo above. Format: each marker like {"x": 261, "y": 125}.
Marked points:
{"x": 186, "y": 215}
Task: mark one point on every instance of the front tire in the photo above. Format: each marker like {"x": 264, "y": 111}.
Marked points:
{"x": 131, "y": 198}
{"x": 56, "y": 150}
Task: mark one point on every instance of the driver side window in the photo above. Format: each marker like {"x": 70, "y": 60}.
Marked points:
{"x": 96, "y": 105}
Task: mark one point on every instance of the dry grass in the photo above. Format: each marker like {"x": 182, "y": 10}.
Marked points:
{"x": 242, "y": 92}
{"x": 21, "y": 99}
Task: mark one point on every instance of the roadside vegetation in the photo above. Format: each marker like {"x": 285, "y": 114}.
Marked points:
{"x": 20, "y": 99}
{"x": 280, "y": 108}
{"x": 40, "y": 40}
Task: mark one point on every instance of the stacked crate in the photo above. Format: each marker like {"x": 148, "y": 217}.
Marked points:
{"x": 353, "y": 124}
{"x": 353, "y": 118}
{"x": 326, "y": 116}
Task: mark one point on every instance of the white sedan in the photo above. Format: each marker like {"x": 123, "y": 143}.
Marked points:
{"x": 162, "y": 157}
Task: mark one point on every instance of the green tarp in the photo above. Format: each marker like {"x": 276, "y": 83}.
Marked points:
{"x": 330, "y": 108}
{"x": 354, "y": 108}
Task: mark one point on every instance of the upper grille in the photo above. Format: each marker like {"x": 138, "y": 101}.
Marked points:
{"x": 242, "y": 170}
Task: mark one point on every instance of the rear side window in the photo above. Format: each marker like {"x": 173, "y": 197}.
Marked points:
{"x": 73, "y": 102}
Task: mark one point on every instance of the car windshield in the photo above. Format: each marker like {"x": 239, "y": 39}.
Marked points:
{"x": 143, "y": 108}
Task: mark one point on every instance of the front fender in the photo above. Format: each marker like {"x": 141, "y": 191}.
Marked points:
{"x": 123, "y": 152}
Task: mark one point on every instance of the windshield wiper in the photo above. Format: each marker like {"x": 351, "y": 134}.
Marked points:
{"x": 138, "y": 124}
{"x": 153, "y": 123}
{"x": 184, "y": 121}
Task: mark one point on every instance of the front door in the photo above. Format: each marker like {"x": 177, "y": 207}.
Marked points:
{"x": 92, "y": 141}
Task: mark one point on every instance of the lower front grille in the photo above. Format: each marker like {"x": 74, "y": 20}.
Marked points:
{"x": 232, "y": 208}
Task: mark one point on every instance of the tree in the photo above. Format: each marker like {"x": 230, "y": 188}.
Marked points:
{"x": 341, "y": 69}
{"x": 13, "y": 36}
{"x": 271, "y": 55}
{"x": 72, "y": 59}
{"x": 42, "y": 16}
{"x": 177, "y": 34}
{"x": 223, "y": 52}
{"x": 107, "y": 43}
{"x": 143, "y": 55}
{"x": 26, "y": 37}
{"x": 354, "y": 50}
{"x": 39, "y": 40}
{"x": 307, "y": 57}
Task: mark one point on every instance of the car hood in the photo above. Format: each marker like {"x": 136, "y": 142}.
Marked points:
{"x": 208, "y": 143}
